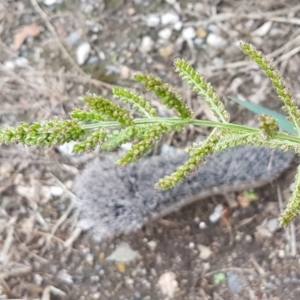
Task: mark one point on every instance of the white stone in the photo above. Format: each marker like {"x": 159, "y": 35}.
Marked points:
{"x": 168, "y": 284}
{"x": 281, "y": 253}
{"x": 50, "y": 2}
{"x": 172, "y": 2}
{"x": 146, "y": 44}
{"x": 219, "y": 208}
{"x": 217, "y": 214}
{"x": 21, "y": 62}
{"x": 82, "y": 53}
{"x": 56, "y": 191}
{"x": 153, "y": 21}
{"x": 65, "y": 277}
{"x": 202, "y": 225}
{"x": 169, "y": 18}
{"x": 188, "y": 33}
{"x": 9, "y": 64}
{"x": 215, "y": 41}
{"x": 66, "y": 149}
{"x": 191, "y": 245}
{"x": 165, "y": 33}
{"x": 152, "y": 245}
{"x": 273, "y": 225}
{"x": 178, "y": 26}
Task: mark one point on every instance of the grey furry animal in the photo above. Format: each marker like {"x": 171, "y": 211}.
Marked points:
{"x": 114, "y": 200}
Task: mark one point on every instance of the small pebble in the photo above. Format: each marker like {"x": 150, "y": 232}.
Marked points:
{"x": 215, "y": 41}
{"x": 94, "y": 278}
{"x": 96, "y": 295}
{"x": 202, "y": 225}
{"x": 172, "y": 2}
{"x": 198, "y": 41}
{"x": 92, "y": 60}
{"x": 146, "y": 44}
{"x": 65, "y": 277}
{"x": 82, "y": 53}
{"x": 213, "y": 28}
{"x": 206, "y": 266}
{"x": 234, "y": 282}
{"x": 153, "y": 21}
{"x": 131, "y": 11}
{"x": 167, "y": 50}
{"x": 201, "y": 33}
{"x": 205, "y": 252}
{"x": 129, "y": 281}
{"x": 165, "y": 33}
{"x": 248, "y": 238}
{"x": 66, "y": 149}
{"x": 168, "y": 284}
{"x": 152, "y": 245}
{"x": 74, "y": 37}
{"x": 188, "y": 33}
{"x": 89, "y": 259}
{"x": 38, "y": 279}
{"x": 273, "y": 225}
{"x": 21, "y": 62}
{"x": 281, "y": 253}
{"x": 56, "y": 191}
{"x": 178, "y": 26}
{"x": 191, "y": 245}
{"x": 50, "y": 2}
{"x": 217, "y": 214}
{"x": 9, "y": 64}
{"x": 169, "y": 18}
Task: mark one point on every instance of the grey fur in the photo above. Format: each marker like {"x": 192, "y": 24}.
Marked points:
{"x": 115, "y": 200}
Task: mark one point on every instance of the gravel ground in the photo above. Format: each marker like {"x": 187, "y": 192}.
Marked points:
{"x": 52, "y": 52}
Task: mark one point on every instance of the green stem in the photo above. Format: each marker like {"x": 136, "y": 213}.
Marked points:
{"x": 202, "y": 123}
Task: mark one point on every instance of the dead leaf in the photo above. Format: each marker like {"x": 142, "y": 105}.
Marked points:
{"x": 263, "y": 30}
{"x": 32, "y": 30}
{"x": 121, "y": 267}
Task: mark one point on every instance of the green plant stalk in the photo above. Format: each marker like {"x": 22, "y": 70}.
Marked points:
{"x": 202, "y": 123}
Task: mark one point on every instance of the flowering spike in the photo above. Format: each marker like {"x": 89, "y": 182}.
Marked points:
{"x": 150, "y": 137}
{"x": 107, "y": 108}
{"x": 196, "y": 159}
{"x": 269, "y": 126}
{"x": 165, "y": 93}
{"x": 279, "y": 84}
{"x": 44, "y": 134}
{"x": 293, "y": 207}
{"x": 91, "y": 142}
{"x": 137, "y": 101}
{"x": 86, "y": 116}
{"x": 203, "y": 88}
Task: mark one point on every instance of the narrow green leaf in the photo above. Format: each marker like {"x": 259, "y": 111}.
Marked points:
{"x": 284, "y": 124}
